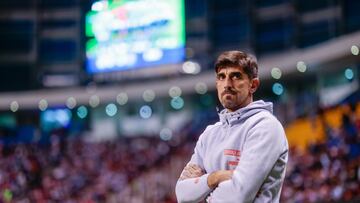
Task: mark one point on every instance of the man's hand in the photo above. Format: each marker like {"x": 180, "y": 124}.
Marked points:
{"x": 191, "y": 171}
{"x": 215, "y": 178}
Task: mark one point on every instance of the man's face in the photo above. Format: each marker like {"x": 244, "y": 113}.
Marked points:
{"x": 235, "y": 88}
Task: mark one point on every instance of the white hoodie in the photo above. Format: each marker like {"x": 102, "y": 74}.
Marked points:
{"x": 250, "y": 141}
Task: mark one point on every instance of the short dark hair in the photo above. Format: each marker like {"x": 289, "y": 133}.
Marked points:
{"x": 238, "y": 59}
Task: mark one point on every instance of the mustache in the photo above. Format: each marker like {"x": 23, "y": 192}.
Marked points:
{"x": 228, "y": 91}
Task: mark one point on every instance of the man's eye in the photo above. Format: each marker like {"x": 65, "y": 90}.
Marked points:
{"x": 236, "y": 76}
{"x": 220, "y": 77}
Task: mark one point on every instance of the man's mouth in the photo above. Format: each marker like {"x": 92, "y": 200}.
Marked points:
{"x": 228, "y": 93}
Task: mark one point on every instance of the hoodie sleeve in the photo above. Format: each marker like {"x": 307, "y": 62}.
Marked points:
{"x": 264, "y": 144}
{"x": 194, "y": 189}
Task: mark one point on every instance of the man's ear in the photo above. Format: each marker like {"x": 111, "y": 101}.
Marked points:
{"x": 255, "y": 83}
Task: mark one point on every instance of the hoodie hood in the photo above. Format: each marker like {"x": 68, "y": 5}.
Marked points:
{"x": 245, "y": 112}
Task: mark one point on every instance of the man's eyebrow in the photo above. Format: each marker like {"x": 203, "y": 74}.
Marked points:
{"x": 235, "y": 72}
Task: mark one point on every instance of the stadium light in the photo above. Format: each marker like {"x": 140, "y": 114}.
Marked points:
{"x": 349, "y": 74}
{"x": 71, "y": 102}
{"x": 355, "y": 50}
{"x": 190, "y": 67}
{"x": 82, "y": 112}
{"x": 43, "y": 105}
{"x": 148, "y": 95}
{"x": 166, "y": 134}
{"x": 111, "y": 109}
{"x": 301, "y": 66}
{"x": 14, "y": 106}
{"x": 201, "y": 88}
{"x": 94, "y": 101}
{"x": 177, "y": 103}
{"x": 175, "y": 91}
{"x": 276, "y": 73}
{"x": 122, "y": 98}
{"x": 278, "y": 89}
{"x": 145, "y": 112}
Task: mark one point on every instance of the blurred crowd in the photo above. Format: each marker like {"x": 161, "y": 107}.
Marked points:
{"x": 72, "y": 170}
{"x": 145, "y": 169}
{"x": 328, "y": 171}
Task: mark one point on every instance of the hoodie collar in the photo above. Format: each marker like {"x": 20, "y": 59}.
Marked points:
{"x": 231, "y": 118}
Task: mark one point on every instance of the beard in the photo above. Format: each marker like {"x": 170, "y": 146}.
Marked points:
{"x": 233, "y": 102}
{"x": 230, "y": 102}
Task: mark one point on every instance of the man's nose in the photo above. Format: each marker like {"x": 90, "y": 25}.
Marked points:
{"x": 228, "y": 82}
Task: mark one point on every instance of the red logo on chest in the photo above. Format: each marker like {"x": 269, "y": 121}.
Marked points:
{"x": 235, "y": 153}
{"x": 232, "y": 152}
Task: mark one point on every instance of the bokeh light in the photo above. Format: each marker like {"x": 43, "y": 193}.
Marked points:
{"x": 355, "y": 50}
{"x": 175, "y": 92}
{"x": 278, "y": 89}
{"x": 276, "y": 73}
{"x": 349, "y": 74}
{"x": 166, "y": 134}
{"x": 177, "y": 103}
{"x": 122, "y": 98}
{"x": 71, "y": 102}
{"x": 201, "y": 88}
{"x": 43, "y": 104}
{"x": 145, "y": 112}
{"x": 61, "y": 116}
{"x": 111, "y": 109}
{"x": 301, "y": 66}
{"x": 191, "y": 67}
{"x": 82, "y": 112}
{"x": 148, "y": 95}
{"x": 14, "y": 106}
{"x": 94, "y": 101}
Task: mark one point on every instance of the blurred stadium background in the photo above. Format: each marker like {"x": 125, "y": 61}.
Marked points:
{"x": 103, "y": 101}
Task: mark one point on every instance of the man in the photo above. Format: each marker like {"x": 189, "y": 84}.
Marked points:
{"x": 242, "y": 158}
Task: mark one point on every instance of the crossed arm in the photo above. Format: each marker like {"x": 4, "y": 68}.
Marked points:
{"x": 195, "y": 184}
{"x": 213, "y": 180}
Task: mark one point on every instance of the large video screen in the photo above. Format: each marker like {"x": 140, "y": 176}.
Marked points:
{"x": 132, "y": 34}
